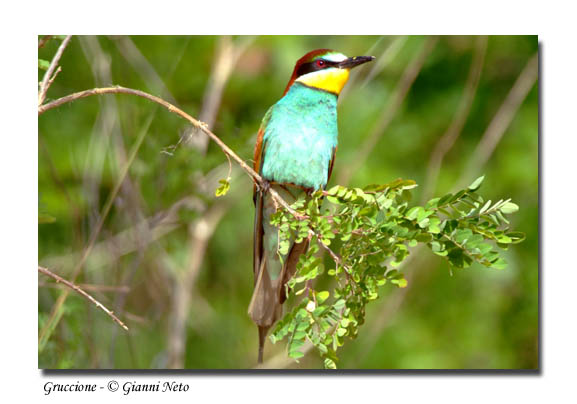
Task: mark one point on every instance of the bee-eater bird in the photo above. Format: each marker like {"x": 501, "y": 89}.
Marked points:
{"x": 294, "y": 153}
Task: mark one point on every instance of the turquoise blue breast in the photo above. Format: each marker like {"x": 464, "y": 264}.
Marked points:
{"x": 300, "y": 137}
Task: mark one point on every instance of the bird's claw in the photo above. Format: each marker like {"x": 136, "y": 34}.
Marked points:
{"x": 264, "y": 186}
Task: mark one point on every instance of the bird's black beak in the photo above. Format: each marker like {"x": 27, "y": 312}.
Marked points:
{"x": 355, "y": 61}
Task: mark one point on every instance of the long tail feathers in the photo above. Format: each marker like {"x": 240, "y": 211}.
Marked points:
{"x": 262, "y": 331}
{"x": 271, "y": 276}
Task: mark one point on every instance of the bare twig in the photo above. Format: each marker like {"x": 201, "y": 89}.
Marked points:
{"x": 46, "y": 81}
{"x": 502, "y": 119}
{"x": 78, "y": 290}
{"x": 447, "y": 141}
{"x": 403, "y": 87}
{"x": 54, "y": 76}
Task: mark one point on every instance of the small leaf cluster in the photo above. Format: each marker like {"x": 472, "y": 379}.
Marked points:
{"x": 223, "y": 188}
{"x": 368, "y": 233}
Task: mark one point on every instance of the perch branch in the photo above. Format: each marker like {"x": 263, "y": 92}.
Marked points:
{"x": 171, "y": 108}
{"x": 197, "y": 124}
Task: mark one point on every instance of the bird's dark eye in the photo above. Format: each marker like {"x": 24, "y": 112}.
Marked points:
{"x": 320, "y": 63}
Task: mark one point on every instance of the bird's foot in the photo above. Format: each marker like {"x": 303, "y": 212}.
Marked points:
{"x": 264, "y": 186}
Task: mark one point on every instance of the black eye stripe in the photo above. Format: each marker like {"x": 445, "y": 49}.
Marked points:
{"x": 312, "y": 67}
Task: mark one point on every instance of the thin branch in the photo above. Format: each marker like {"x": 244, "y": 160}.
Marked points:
{"x": 46, "y": 82}
{"x": 54, "y": 77}
{"x": 78, "y": 290}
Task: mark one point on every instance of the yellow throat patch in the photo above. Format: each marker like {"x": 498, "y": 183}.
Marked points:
{"x": 332, "y": 80}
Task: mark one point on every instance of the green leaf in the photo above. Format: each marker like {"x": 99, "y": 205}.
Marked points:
{"x": 283, "y": 247}
{"x": 516, "y": 237}
{"x": 434, "y": 227}
{"x": 423, "y": 214}
{"x": 485, "y": 207}
{"x": 509, "y": 208}
{"x": 223, "y": 188}
{"x": 503, "y": 239}
{"x": 330, "y": 364}
{"x": 462, "y": 235}
{"x": 296, "y": 354}
{"x": 339, "y": 304}
{"x": 500, "y": 263}
{"x": 413, "y": 213}
{"x": 433, "y": 203}
{"x": 43, "y": 64}
{"x": 402, "y": 283}
{"x": 443, "y": 201}
{"x": 477, "y": 183}
{"x": 322, "y": 296}
{"x": 334, "y": 190}
{"x": 375, "y": 188}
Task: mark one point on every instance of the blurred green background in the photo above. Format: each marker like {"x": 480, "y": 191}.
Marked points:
{"x": 175, "y": 263}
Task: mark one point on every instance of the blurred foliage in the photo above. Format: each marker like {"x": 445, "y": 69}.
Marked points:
{"x": 150, "y": 264}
